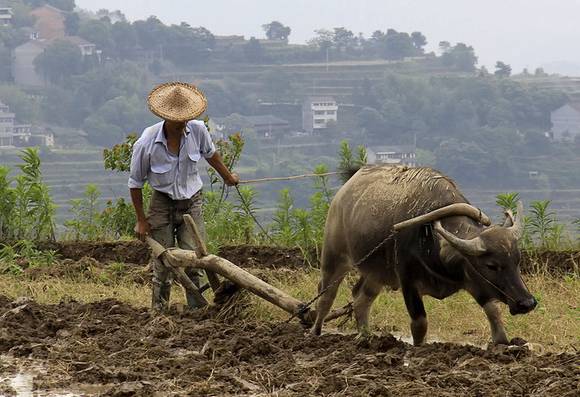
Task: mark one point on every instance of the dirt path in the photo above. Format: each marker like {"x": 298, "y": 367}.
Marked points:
{"x": 135, "y": 353}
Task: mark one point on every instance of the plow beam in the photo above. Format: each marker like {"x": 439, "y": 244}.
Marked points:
{"x": 180, "y": 259}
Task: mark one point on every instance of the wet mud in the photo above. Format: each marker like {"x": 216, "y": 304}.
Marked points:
{"x": 130, "y": 351}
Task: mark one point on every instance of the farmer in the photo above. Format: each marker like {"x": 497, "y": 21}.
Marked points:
{"x": 166, "y": 155}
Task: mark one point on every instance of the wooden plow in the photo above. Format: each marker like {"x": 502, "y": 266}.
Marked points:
{"x": 176, "y": 260}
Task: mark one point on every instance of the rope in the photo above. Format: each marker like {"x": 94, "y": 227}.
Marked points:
{"x": 306, "y": 307}
{"x": 287, "y": 178}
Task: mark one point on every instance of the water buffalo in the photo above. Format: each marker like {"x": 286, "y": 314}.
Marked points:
{"x": 441, "y": 245}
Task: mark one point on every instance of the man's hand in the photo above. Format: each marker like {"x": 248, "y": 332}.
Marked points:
{"x": 233, "y": 180}
{"x": 142, "y": 229}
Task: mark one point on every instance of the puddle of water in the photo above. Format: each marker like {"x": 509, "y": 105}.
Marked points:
{"x": 23, "y": 385}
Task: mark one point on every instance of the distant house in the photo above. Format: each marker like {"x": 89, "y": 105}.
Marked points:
{"x": 49, "y": 24}
{"x": 21, "y": 135}
{"x": 268, "y": 126}
{"x": 395, "y": 155}
{"x": 5, "y": 16}
{"x": 23, "y": 68}
{"x": 566, "y": 122}
{"x": 265, "y": 126}
{"x": 6, "y": 126}
{"x": 317, "y": 113}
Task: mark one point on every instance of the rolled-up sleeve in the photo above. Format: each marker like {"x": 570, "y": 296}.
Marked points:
{"x": 206, "y": 145}
{"x": 139, "y": 166}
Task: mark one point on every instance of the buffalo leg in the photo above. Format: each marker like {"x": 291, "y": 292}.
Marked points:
{"x": 416, "y": 311}
{"x": 364, "y": 294}
{"x": 498, "y": 334}
{"x": 333, "y": 272}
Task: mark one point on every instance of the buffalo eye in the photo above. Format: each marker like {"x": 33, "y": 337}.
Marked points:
{"x": 493, "y": 267}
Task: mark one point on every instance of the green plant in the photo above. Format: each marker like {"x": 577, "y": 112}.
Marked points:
{"x": 118, "y": 158}
{"x": 118, "y": 219}
{"x": 33, "y": 209}
{"x": 246, "y": 212}
{"x": 542, "y": 224}
{"x": 577, "y": 224}
{"x": 86, "y": 223}
{"x": 508, "y": 201}
{"x": 6, "y": 203}
{"x": 14, "y": 259}
{"x": 282, "y": 220}
{"x": 347, "y": 162}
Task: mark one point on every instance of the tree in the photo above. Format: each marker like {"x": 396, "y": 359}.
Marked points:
{"x": 343, "y": 39}
{"x": 502, "y": 69}
{"x": 125, "y": 38}
{"x": 277, "y": 31}
{"x": 72, "y": 24}
{"x": 461, "y": 57}
{"x": 99, "y": 32}
{"x": 5, "y": 63}
{"x": 398, "y": 45}
{"x": 254, "y": 51}
{"x": 419, "y": 40}
{"x": 59, "y": 61}
{"x": 324, "y": 39}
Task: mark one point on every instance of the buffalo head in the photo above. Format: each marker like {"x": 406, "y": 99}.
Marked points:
{"x": 491, "y": 263}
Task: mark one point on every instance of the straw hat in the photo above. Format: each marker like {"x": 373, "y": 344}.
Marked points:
{"x": 177, "y": 101}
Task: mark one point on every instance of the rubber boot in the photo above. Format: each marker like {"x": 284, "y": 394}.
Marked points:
{"x": 160, "y": 297}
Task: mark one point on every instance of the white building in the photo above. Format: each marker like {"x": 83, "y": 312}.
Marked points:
{"x": 21, "y": 135}
{"x": 395, "y": 155}
{"x": 5, "y": 16}
{"x": 6, "y": 126}
{"x": 317, "y": 113}
{"x": 566, "y": 122}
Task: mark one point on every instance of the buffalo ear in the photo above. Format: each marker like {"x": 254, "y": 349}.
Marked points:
{"x": 517, "y": 228}
{"x": 509, "y": 219}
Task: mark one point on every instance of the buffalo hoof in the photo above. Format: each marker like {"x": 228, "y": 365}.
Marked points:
{"x": 363, "y": 338}
{"x": 315, "y": 331}
{"x": 518, "y": 342}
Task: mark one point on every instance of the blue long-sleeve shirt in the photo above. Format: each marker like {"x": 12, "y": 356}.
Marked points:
{"x": 176, "y": 175}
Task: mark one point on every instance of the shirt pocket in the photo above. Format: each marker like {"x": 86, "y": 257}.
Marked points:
{"x": 194, "y": 157}
{"x": 161, "y": 175}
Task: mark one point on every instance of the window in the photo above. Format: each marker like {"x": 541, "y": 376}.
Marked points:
{"x": 319, "y": 112}
{"x": 318, "y": 121}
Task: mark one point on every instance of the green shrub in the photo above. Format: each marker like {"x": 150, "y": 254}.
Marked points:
{"x": 27, "y": 209}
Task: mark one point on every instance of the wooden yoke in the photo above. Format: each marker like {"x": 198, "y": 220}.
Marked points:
{"x": 201, "y": 250}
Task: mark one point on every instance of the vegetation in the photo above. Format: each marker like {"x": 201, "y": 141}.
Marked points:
{"x": 26, "y": 209}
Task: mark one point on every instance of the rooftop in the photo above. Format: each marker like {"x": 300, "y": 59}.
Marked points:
{"x": 320, "y": 99}
{"x": 393, "y": 149}
{"x": 265, "y": 119}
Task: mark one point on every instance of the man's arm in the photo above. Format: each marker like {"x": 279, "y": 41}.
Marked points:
{"x": 216, "y": 162}
{"x": 142, "y": 228}
{"x": 137, "y": 177}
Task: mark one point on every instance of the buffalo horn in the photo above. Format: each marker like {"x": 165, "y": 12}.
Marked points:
{"x": 517, "y": 228}
{"x": 450, "y": 210}
{"x": 473, "y": 247}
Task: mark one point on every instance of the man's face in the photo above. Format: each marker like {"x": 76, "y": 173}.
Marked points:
{"x": 175, "y": 125}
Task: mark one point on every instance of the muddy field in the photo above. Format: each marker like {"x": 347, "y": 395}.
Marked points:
{"x": 127, "y": 351}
